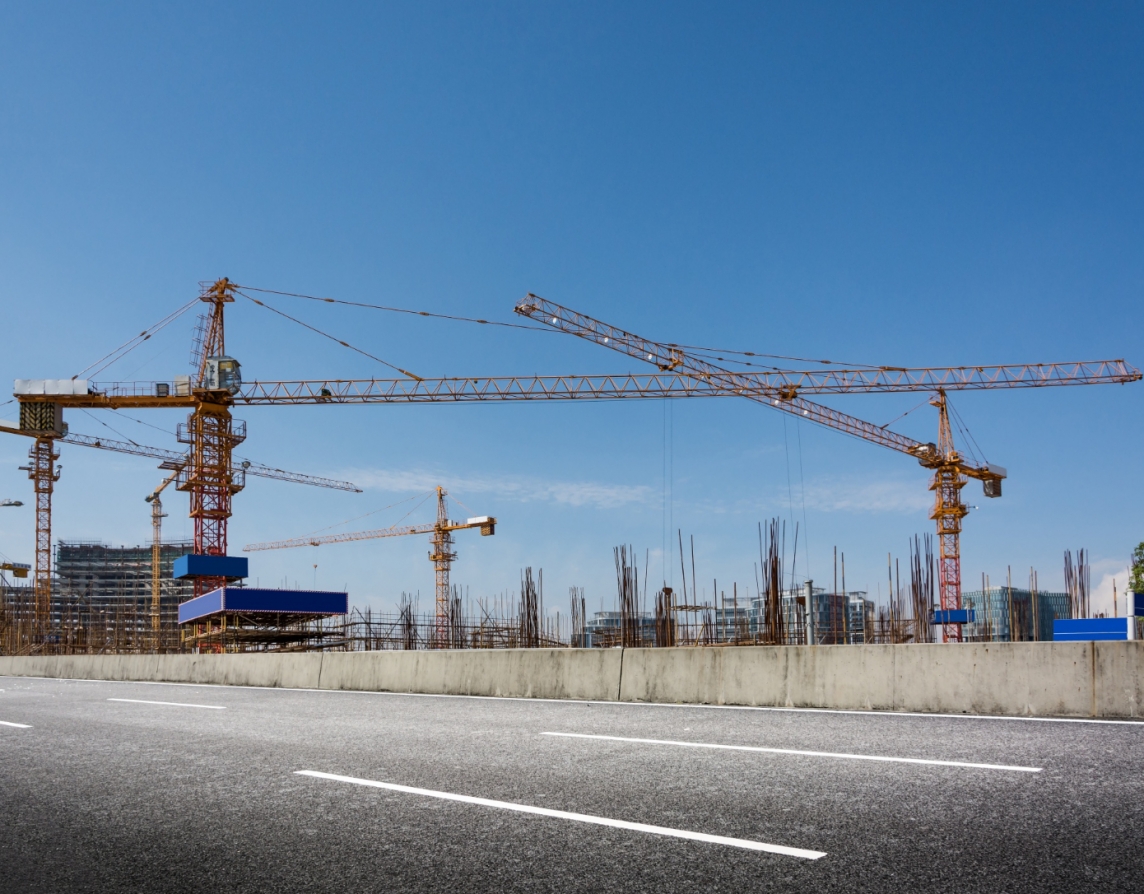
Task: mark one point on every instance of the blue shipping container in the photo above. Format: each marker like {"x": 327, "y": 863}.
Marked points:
{"x": 1091, "y": 629}
{"x": 261, "y": 601}
{"x": 191, "y": 565}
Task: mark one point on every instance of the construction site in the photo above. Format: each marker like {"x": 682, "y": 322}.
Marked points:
{"x": 457, "y": 447}
{"x": 89, "y": 598}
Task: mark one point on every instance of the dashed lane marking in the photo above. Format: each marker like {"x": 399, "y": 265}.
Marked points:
{"x": 801, "y": 753}
{"x": 139, "y": 701}
{"x": 744, "y": 843}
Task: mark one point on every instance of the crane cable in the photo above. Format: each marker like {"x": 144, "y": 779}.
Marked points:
{"x": 344, "y": 344}
{"x": 457, "y": 499}
{"x": 375, "y": 512}
{"x": 925, "y": 401}
{"x": 132, "y": 343}
{"x": 105, "y": 425}
{"x": 711, "y": 352}
{"x": 402, "y": 310}
{"x": 964, "y": 429}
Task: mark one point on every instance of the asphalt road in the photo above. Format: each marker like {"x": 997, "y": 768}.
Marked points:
{"x": 103, "y": 790}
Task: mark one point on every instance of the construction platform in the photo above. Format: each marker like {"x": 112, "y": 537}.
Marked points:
{"x": 241, "y": 617}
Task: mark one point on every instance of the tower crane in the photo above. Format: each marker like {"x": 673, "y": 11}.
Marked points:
{"x": 779, "y": 390}
{"x": 771, "y": 388}
{"x": 171, "y": 459}
{"x": 212, "y": 478}
{"x": 951, "y": 470}
{"x": 208, "y": 473}
{"x": 157, "y": 516}
{"x": 441, "y": 555}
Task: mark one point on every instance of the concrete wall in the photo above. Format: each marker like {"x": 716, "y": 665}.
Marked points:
{"x": 1035, "y": 679}
{"x": 591, "y": 674}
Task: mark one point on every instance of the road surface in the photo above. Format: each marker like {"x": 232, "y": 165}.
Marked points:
{"x": 154, "y": 787}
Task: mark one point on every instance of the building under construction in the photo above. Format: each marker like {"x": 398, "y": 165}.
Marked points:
{"x": 101, "y": 600}
{"x": 94, "y": 571}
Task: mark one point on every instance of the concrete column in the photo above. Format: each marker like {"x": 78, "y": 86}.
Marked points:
{"x": 808, "y": 594}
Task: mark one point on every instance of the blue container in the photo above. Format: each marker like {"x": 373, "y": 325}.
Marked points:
{"x": 955, "y": 616}
{"x": 250, "y": 600}
{"x": 230, "y": 567}
{"x": 1092, "y": 629}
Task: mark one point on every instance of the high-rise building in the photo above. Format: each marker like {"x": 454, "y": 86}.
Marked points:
{"x": 1010, "y": 614}
{"x": 813, "y": 616}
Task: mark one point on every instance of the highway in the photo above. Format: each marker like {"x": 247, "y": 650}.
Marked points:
{"x": 155, "y": 787}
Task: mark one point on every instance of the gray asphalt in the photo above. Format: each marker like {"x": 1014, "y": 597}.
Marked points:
{"x": 101, "y": 795}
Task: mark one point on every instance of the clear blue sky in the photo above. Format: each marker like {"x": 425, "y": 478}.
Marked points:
{"x": 912, "y": 184}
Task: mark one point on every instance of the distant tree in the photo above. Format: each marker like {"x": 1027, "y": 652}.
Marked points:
{"x": 1136, "y": 583}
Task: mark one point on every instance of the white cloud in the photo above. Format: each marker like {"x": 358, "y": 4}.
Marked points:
{"x": 885, "y": 495}
{"x": 1101, "y": 595}
{"x": 520, "y": 488}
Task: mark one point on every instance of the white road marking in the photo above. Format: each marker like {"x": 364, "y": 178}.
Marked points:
{"x": 139, "y": 701}
{"x": 835, "y": 754}
{"x": 577, "y": 817}
{"x": 17, "y": 725}
{"x": 888, "y": 713}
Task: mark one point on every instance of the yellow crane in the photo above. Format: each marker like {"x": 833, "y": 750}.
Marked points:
{"x": 18, "y": 569}
{"x": 170, "y": 459}
{"x": 157, "y": 516}
{"x": 441, "y": 555}
{"x": 781, "y": 390}
{"x": 212, "y": 478}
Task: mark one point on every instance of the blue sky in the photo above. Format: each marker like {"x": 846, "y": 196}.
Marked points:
{"x": 897, "y": 183}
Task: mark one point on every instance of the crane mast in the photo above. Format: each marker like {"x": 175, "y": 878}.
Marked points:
{"x": 44, "y": 475}
{"x": 157, "y": 516}
{"x": 442, "y": 555}
{"x": 948, "y": 511}
{"x": 212, "y": 435}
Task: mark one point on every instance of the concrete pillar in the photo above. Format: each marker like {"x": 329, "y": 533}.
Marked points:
{"x": 808, "y": 594}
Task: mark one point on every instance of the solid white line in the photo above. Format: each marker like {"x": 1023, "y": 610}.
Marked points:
{"x": 17, "y": 725}
{"x": 577, "y": 817}
{"x": 139, "y": 701}
{"x": 583, "y": 701}
{"x": 836, "y": 754}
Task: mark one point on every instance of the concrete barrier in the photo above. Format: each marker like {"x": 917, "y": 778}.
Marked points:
{"x": 1035, "y": 679}
{"x": 295, "y": 671}
{"x": 591, "y": 674}
{"x": 1075, "y": 679}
